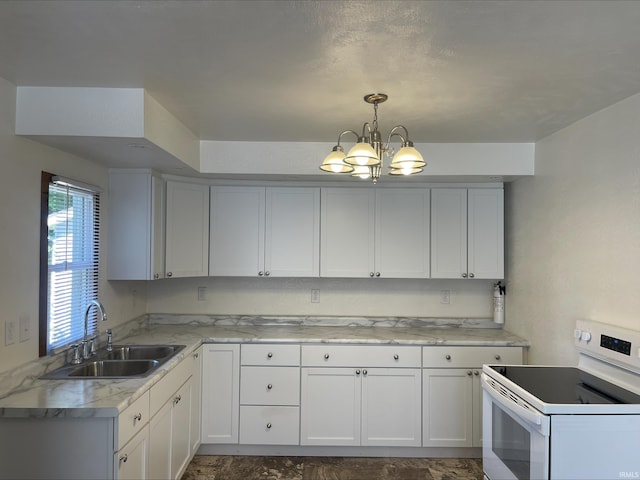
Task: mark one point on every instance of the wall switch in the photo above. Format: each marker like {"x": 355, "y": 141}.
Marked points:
{"x": 445, "y": 296}
{"x": 202, "y": 294}
{"x": 315, "y": 295}
{"x": 10, "y": 332}
{"x": 25, "y": 328}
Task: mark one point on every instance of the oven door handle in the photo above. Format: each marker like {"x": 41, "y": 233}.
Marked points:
{"x": 533, "y": 417}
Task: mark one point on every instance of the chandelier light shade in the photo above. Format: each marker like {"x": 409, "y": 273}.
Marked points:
{"x": 366, "y": 158}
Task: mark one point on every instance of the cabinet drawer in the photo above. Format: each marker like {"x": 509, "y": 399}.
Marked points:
{"x": 360, "y": 356}
{"x": 459, "y": 356}
{"x": 279, "y": 355}
{"x": 270, "y": 385}
{"x": 269, "y": 425}
{"x": 132, "y": 419}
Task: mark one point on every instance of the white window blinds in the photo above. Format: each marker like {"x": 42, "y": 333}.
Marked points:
{"x": 73, "y": 240}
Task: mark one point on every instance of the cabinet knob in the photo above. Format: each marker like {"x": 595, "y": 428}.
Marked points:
{"x": 156, "y": 276}
{"x": 267, "y": 273}
{"x": 268, "y": 425}
{"x": 123, "y": 458}
{"x": 326, "y": 356}
{"x": 177, "y": 399}
{"x": 447, "y": 356}
{"x": 269, "y": 387}
{"x": 364, "y": 372}
{"x": 357, "y": 372}
{"x": 377, "y": 274}
{"x": 371, "y": 274}
{"x": 169, "y": 274}
{"x": 498, "y": 357}
{"x": 260, "y": 273}
{"x": 464, "y": 275}
{"x": 476, "y": 372}
{"x": 196, "y": 355}
{"x": 396, "y": 356}
{"x": 137, "y": 417}
{"x": 471, "y": 275}
{"x": 269, "y": 355}
{"x": 469, "y": 372}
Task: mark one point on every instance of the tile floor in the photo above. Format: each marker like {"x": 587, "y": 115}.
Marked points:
{"x": 210, "y": 467}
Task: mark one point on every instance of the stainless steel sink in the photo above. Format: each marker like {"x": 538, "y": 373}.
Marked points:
{"x": 114, "y": 368}
{"x": 141, "y": 352}
{"x": 125, "y": 361}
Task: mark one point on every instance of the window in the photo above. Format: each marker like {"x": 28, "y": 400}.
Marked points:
{"x": 69, "y": 241}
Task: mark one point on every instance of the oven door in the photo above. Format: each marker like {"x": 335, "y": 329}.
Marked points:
{"x": 515, "y": 437}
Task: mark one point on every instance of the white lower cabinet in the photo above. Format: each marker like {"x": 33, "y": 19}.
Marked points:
{"x": 220, "y": 393}
{"x": 132, "y": 461}
{"x": 452, "y": 394}
{"x": 356, "y": 402}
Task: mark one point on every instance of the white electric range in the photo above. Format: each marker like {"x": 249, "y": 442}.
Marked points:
{"x": 566, "y": 423}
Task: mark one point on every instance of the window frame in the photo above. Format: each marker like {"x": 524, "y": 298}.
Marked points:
{"x": 47, "y": 179}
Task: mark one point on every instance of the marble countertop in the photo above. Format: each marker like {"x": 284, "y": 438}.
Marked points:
{"x": 30, "y": 396}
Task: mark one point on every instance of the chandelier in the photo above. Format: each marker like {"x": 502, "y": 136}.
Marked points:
{"x": 365, "y": 159}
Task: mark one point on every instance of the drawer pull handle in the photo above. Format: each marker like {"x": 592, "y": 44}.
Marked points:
{"x": 396, "y": 357}
{"x": 498, "y": 357}
{"x": 268, "y": 425}
{"x": 269, "y": 355}
{"x": 326, "y": 356}
{"x": 448, "y": 357}
{"x": 124, "y": 458}
{"x": 269, "y": 387}
{"x": 196, "y": 355}
{"x": 177, "y": 399}
{"x": 137, "y": 417}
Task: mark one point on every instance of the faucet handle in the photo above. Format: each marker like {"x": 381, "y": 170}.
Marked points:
{"x": 109, "y": 333}
{"x": 92, "y": 346}
{"x": 75, "y": 354}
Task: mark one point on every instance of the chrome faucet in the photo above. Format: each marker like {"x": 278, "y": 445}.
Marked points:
{"x": 86, "y": 351}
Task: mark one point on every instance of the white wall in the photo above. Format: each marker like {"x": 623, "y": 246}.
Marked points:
{"x": 22, "y": 162}
{"x": 573, "y": 233}
{"x": 343, "y": 297}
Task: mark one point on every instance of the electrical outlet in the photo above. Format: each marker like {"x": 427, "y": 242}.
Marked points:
{"x": 10, "y": 332}
{"x": 315, "y": 295}
{"x": 202, "y": 294}
{"x": 445, "y": 297}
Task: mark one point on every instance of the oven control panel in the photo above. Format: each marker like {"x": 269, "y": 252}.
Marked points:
{"x": 620, "y": 345}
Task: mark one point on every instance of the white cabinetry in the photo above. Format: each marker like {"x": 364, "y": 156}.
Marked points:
{"x": 467, "y": 233}
{"x": 270, "y": 394}
{"x": 187, "y": 229}
{"x": 220, "y": 393}
{"x": 132, "y": 461}
{"x": 452, "y": 395}
{"x": 136, "y": 225}
{"x": 360, "y": 395}
{"x": 265, "y": 231}
{"x": 375, "y": 233}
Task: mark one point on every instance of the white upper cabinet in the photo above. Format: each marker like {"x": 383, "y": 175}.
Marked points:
{"x": 187, "y": 229}
{"x": 375, "y": 233}
{"x": 265, "y": 231}
{"x": 467, "y": 233}
{"x": 136, "y": 226}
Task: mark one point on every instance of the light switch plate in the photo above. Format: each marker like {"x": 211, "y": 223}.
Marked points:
{"x": 10, "y": 332}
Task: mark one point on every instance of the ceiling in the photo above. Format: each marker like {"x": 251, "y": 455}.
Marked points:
{"x": 455, "y": 71}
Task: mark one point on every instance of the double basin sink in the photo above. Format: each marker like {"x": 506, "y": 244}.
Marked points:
{"x": 124, "y": 361}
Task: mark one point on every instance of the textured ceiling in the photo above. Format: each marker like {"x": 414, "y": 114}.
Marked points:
{"x": 455, "y": 71}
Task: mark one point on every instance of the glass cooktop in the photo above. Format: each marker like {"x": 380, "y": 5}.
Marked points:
{"x": 566, "y": 385}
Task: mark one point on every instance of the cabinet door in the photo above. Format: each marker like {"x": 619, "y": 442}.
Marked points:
{"x": 347, "y": 232}
{"x": 477, "y": 407}
{"x": 402, "y": 233}
{"x": 237, "y": 231}
{"x": 187, "y": 230}
{"x": 196, "y": 401}
{"x": 180, "y": 426}
{"x": 220, "y": 393}
{"x": 136, "y": 226}
{"x": 392, "y": 407}
{"x": 448, "y": 233}
{"x": 447, "y": 400}
{"x": 160, "y": 443}
{"x": 330, "y": 406}
{"x": 486, "y": 233}
{"x": 292, "y": 236}
{"x": 131, "y": 460}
